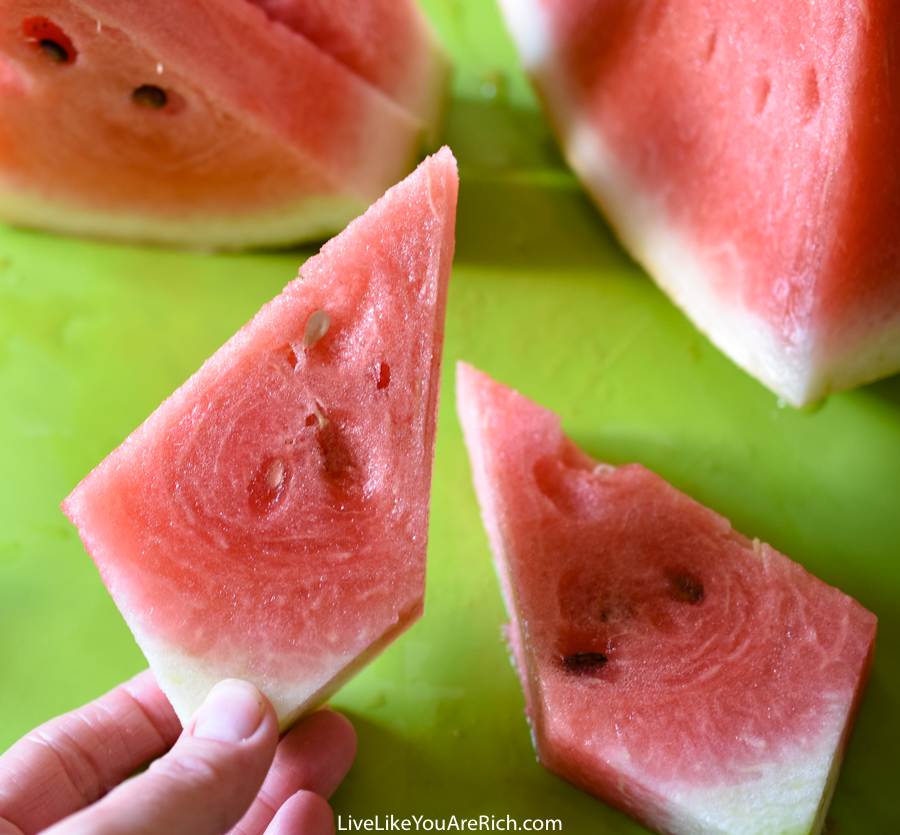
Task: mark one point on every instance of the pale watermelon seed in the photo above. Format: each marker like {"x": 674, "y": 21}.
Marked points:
{"x": 316, "y": 327}
{"x": 320, "y": 416}
{"x": 150, "y": 96}
{"x": 267, "y": 485}
{"x": 275, "y": 473}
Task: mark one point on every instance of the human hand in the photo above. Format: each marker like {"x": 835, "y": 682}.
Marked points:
{"x": 226, "y": 772}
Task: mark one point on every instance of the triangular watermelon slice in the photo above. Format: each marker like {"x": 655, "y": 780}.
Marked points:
{"x": 201, "y": 124}
{"x": 747, "y": 155}
{"x": 269, "y": 520}
{"x": 697, "y": 680}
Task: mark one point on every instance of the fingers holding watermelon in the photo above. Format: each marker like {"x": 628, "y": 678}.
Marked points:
{"x": 226, "y": 772}
{"x": 73, "y": 760}
{"x": 312, "y": 759}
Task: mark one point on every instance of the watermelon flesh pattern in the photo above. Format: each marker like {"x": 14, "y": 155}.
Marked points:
{"x": 746, "y": 153}
{"x": 269, "y": 520}
{"x": 702, "y": 682}
{"x": 388, "y": 42}
{"x": 265, "y": 137}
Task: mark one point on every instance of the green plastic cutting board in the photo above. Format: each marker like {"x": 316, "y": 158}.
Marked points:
{"x": 93, "y": 337}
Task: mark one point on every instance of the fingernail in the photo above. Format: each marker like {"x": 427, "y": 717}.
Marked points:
{"x": 232, "y": 712}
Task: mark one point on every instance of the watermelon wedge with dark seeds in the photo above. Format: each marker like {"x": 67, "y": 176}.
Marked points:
{"x": 269, "y": 520}
{"x": 698, "y": 680}
{"x": 204, "y": 124}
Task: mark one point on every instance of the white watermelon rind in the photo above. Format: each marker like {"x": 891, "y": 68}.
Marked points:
{"x": 312, "y": 218}
{"x": 380, "y": 145}
{"x": 418, "y": 243}
{"x": 787, "y": 796}
{"x": 186, "y": 679}
{"x": 800, "y": 373}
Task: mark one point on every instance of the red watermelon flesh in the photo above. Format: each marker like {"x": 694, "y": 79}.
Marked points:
{"x": 390, "y": 43}
{"x": 202, "y": 124}
{"x": 746, "y": 153}
{"x": 700, "y": 681}
{"x": 269, "y": 520}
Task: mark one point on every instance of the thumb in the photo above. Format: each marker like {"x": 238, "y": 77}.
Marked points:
{"x": 204, "y": 784}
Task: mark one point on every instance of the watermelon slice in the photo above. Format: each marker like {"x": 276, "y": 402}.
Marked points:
{"x": 700, "y": 681}
{"x": 390, "y": 43}
{"x": 269, "y": 520}
{"x": 746, "y": 154}
{"x": 204, "y": 124}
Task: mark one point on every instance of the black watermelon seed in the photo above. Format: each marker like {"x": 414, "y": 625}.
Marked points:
{"x": 585, "y": 663}
{"x": 684, "y": 587}
{"x": 53, "y": 50}
{"x": 150, "y": 96}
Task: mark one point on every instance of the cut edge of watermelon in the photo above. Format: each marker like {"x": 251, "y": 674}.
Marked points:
{"x": 792, "y": 798}
{"x": 801, "y": 373}
{"x": 774, "y": 803}
{"x": 469, "y": 382}
{"x": 425, "y": 93}
{"x": 728, "y": 809}
{"x": 312, "y": 218}
{"x": 831, "y": 782}
{"x": 375, "y": 141}
{"x": 186, "y": 680}
{"x": 374, "y": 149}
{"x": 186, "y": 677}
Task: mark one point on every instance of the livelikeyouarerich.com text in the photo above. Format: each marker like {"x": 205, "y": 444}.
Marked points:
{"x": 419, "y": 823}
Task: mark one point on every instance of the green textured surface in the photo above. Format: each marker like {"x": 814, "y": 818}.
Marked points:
{"x": 93, "y": 337}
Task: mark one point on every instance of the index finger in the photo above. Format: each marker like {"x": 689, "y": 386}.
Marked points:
{"x": 75, "y": 759}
